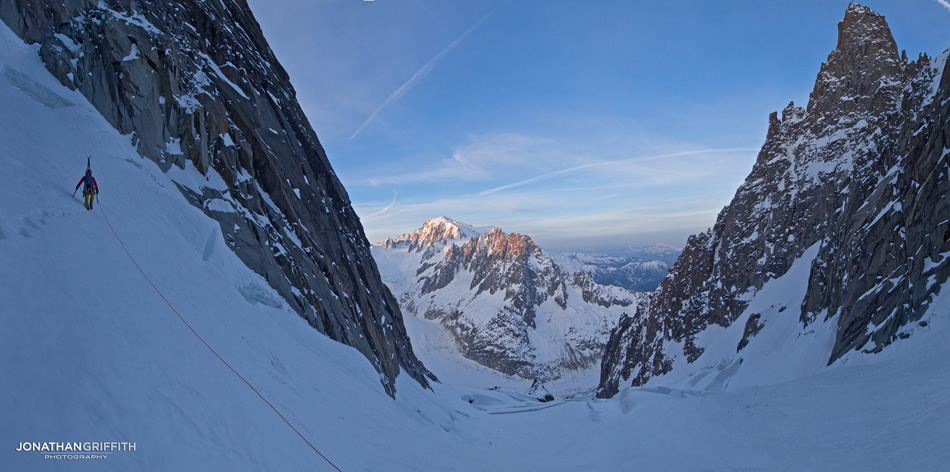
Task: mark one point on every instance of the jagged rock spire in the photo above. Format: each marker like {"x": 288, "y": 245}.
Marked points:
{"x": 852, "y": 76}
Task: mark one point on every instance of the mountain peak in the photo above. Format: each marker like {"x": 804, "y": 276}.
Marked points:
{"x": 434, "y": 231}
{"x": 862, "y": 64}
{"x": 442, "y": 223}
{"x": 508, "y": 245}
{"x": 442, "y": 229}
{"x": 862, "y": 25}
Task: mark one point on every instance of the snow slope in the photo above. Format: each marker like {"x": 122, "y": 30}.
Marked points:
{"x": 90, "y": 352}
{"x": 782, "y": 350}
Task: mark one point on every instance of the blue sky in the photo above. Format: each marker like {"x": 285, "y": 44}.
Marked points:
{"x": 591, "y": 126}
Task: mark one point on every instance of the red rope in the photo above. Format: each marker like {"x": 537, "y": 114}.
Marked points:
{"x": 207, "y": 345}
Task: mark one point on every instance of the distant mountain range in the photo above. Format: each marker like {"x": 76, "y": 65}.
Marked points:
{"x": 506, "y": 304}
{"x": 641, "y": 269}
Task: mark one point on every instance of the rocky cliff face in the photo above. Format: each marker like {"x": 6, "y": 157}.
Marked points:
{"x": 862, "y": 173}
{"x": 507, "y": 305}
{"x": 195, "y": 83}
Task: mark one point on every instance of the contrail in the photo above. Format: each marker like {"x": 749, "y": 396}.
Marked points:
{"x": 945, "y": 4}
{"x": 384, "y": 210}
{"x": 603, "y": 164}
{"x": 422, "y": 72}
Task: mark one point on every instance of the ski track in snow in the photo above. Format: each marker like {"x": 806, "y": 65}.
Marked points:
{"x": 88, "y": 352}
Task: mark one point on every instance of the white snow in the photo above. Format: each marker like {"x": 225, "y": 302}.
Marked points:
{"x": 243, "y": 176}
{"x": 173, "y": 147}
{"x": 89, "y": 351}
{"x": 133, "y": 53}
{"x": 68, "y": 42}
{"x": 218, "y": 204}
{"x": 218, "y": 72}
{"x": 930, "y": 264}
{"x": 936, "y": 69}
{"x": 133, "y": 19}
{"x": 893, "y": 205}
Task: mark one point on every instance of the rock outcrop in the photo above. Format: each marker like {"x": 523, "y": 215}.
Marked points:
{"x": 195, "y": 83}
{"x": 862, "y": 172}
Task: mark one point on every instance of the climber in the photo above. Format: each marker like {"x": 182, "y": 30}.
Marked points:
{"x": 90, "y": 188}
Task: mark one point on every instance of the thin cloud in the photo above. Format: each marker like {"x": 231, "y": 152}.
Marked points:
{"x": 514, "y": 200}
{"x": 454, "y": 168}
{"x": 602, "y": 165}
{"x": 945, "y": 4}
{"x": 384, "y": 210}
{"x": 419, "y": 75}
{"x": 482, "y": 159}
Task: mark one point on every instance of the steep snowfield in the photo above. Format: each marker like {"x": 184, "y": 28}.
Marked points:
{"x": 90, "y": 352}
{"x": 781, "y": 351}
